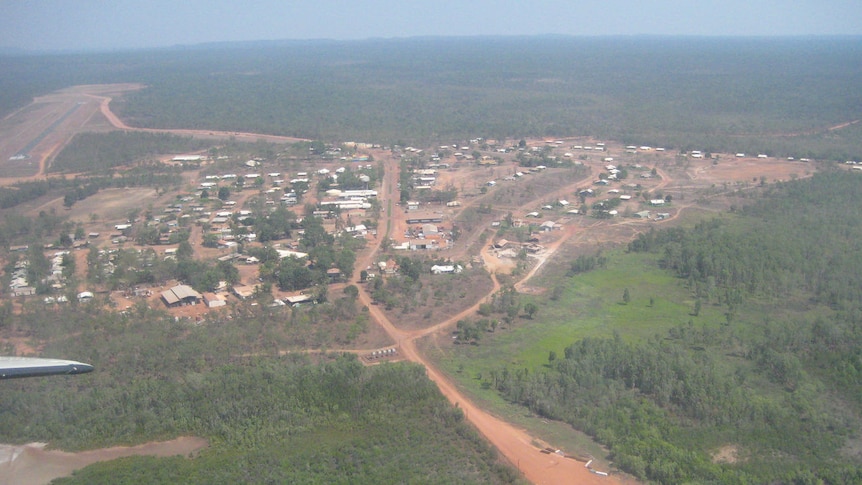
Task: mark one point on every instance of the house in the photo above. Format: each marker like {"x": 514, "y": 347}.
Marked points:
{"x": 642, "y": 215}
{"x": 548, "y": 226}
{"x": 23, "y": 291}
{"x": 357, "y": 230}
{"x": 243, "y": 291}
{"x": 656, "y": 202}
{"x": 388, "y": 267}
{"x": 448, "y": 269}
{"x": 295, "y": 300}
{"x": 286, "y": 253}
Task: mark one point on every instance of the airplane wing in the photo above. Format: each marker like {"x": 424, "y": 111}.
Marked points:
{"x": 12, "y": 367}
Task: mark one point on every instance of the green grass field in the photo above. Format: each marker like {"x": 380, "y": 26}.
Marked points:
{"x": 590, "y": 306}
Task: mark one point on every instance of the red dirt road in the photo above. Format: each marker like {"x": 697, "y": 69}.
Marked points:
{"x": 513, "y": 443}
{"x": 105, "y": 108}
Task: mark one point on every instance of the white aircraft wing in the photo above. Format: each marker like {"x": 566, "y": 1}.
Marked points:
{"x": 12, "y": 367}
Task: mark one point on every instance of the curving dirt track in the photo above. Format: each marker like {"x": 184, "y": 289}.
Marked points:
{"x": 116, "y": 122}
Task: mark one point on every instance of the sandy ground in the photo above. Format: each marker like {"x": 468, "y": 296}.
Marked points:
{"x": 32, "y": 464}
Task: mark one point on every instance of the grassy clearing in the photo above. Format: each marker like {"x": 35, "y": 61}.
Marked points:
{"x": 591, "y": 305}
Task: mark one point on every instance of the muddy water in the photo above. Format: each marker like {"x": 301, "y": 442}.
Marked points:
{"x": 32, "y": 464}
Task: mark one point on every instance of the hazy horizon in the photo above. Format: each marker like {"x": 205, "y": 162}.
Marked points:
{"x": 98, "y": 25}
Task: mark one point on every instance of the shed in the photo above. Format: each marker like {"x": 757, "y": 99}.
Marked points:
{"x": 180, "y": 295}
{"x": 212, "y": 300}
{"x": 297, "y": 299}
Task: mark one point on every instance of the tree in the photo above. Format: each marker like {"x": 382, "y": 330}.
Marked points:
{"x": 223, "y": 193}
{"x": 65, "y": 240}
{"x": 627, "y": 297}
{"x": 351, "y": 291}
{"x": 530, "y": 309}
{"x": 185, "y": 251}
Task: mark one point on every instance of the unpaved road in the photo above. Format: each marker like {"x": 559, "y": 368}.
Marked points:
{"x": 514, "y": 443}
{"x": 105, "y": 108}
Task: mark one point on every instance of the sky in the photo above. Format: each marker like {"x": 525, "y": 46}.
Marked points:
{"x": 39, "y": 25}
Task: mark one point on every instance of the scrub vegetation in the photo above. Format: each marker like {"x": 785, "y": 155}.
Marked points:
{"x": 300, "y": 418}
{"x": 741, "y": 331}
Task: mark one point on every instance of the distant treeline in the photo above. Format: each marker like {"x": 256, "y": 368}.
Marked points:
{"x": 802, "y": 237}
{"x": 757, "y": 95}
{"x": 96, "y": 152}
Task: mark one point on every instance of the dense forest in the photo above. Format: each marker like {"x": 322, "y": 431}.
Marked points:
{"x": 780, "y": 378}
{"x": 758, "y": 95}
{"x": 269, "y": 419}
